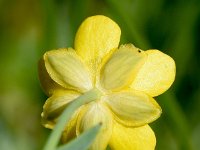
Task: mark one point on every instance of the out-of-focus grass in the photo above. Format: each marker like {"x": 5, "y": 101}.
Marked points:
{"x": 29, "y": 28}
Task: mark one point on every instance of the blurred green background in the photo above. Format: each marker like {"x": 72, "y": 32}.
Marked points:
{"x": 28, "y": 28}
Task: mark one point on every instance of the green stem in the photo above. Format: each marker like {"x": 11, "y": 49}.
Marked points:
{"x": 65, "y": 117}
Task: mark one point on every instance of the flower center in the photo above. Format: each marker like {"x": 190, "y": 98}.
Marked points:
{"x": 99, "y": 93}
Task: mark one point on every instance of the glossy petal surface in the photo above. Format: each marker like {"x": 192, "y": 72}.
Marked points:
{"x": 96, "y": 37}
{"x": 123, "y": 138}
{"x": 133, "y": 108}
{"x": 156, "y": 75}
{"x": 90, "y": 116}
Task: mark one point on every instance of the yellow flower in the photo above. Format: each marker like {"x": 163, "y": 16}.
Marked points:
{"x": 126, "y": 77}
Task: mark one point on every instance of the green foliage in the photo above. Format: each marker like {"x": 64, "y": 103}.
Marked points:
{"x": 29, "y": 28}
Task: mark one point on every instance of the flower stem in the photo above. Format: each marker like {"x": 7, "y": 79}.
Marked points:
{"x": 65, "y": 117}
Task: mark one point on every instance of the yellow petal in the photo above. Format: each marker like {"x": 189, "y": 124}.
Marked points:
{"x": 120, "y": 70}
{"x": 54, "y": 106}
{"x": 90, "y": 116}
{"x": 156, "y": 75}
{"x": 66, "y": 68}
{"x": 133, "y": 108}
{"x": 124, "y": 138}
{"x": 48, "y": 85}
{"x": 96, "y": 36}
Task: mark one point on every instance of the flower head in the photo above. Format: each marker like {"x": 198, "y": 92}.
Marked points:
{"x": 127, "y": 77}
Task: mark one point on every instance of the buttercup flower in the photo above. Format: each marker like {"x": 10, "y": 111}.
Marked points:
{"x": 127, "y": 78}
